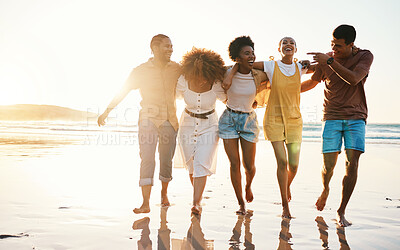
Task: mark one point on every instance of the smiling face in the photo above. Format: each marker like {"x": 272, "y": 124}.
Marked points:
{"x": 246, "y": 59}
{"x": 340, "y": 49}
{"x": 163, "y": 51}
{"x": 287, "y": 46}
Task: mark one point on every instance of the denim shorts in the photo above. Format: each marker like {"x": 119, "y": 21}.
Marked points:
{"x": 352, "y": 131}
{"x": 233, "y": 125}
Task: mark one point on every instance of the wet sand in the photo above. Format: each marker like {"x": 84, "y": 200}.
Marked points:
{"x": 82, "y": 196}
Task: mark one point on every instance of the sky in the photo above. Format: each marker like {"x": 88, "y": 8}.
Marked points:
{"x": 78, "y": 53}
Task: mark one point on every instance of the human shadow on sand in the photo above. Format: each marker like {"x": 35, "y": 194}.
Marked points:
{"x": 323, "y": 234}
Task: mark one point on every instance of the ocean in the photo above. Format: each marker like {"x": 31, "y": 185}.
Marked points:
{"x": 125, "y": 133}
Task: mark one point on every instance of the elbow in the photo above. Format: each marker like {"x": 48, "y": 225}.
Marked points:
{"x": 302, "y": 90}
{"x": 353, "y": 82}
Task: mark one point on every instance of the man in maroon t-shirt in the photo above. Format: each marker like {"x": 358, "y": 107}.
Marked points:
{"x": 344, "y": 71}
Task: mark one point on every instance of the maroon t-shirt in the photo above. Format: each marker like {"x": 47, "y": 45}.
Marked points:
{"x": 343, "y": 101}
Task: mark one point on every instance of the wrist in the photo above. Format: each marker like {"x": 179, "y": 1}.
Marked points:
{"x": 329, "y": 61}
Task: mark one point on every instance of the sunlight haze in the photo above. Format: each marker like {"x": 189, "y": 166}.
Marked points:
{"x": 77, "y": 54}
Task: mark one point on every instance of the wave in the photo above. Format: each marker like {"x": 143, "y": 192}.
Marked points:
{"x": 375, "y": 133}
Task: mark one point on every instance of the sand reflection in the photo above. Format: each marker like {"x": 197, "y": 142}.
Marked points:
{"x": 323, "y": 231}
{"x": 285, "y": 235}
{"x": 163, "y": 239}
{"x": 342, "y": 238}
{"x": 234, "y": 242}
{"x": 164, "y": 233}
{"x": 194, "y": 239}
{"x": 144, "y": 243}
{"x": 323, "y": 234}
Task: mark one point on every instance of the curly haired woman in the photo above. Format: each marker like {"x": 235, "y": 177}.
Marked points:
{"x": 200, "y": 87}
{"x": 239, "y": 123}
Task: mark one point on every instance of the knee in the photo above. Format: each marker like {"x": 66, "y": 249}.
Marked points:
{"x": 329, "y": 166}
{"x": 351, "y": 168}
{"x": 328, "y": 169}
{"x": 249, "y": 166}
{"x": 282, "y": 163}
{"x": 293, "y": 167}
{"x": 235, "y": 165}
{"x": 329, "y": 163}
{"x": 250, "y": 169}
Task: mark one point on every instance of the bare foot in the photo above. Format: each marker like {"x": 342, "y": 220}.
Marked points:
{"x": 249, "y": 194}
{"x": 286, "y": 213}
{"x": 249, "y": 213}
{"x": 341, "y": 220}
{"x": 321, "y": 202}
{"x": 241, "y": 211}
{"x": 289, "y": 194}
{"x": 165, "y": 201}
{"x": 196, "y": 209}
{"x": 142, "y": 210}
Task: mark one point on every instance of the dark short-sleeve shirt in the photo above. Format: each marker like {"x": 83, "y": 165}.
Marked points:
{"x": 343, "y": 101}
{"x": 157, "y": 88}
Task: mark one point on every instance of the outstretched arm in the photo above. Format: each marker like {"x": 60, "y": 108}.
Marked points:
{"x": 115, "y": 101}
{"x": 352, "y": 77}
{"x": 258, "y": 65}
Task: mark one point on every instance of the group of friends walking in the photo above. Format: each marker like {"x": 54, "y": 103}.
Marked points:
{"x": 202, "y": 77}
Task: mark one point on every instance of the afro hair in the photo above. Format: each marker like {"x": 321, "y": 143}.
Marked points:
{"x": 202, "y": 64}
{"x": 236, "y": 45}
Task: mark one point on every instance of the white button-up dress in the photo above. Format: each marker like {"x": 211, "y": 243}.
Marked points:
{"x": 198, "y": 138}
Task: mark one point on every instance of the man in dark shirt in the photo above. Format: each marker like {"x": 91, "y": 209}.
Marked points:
{"x": 344, "y": 71}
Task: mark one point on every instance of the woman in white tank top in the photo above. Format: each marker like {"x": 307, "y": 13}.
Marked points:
{"x": 239, "y": 123}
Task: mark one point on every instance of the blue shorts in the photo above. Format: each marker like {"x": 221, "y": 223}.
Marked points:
{"x": 233, "y": 125}
{"x": 352, "y": 131}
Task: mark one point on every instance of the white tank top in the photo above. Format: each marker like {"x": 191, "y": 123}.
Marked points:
{"x": 242, "y": 92}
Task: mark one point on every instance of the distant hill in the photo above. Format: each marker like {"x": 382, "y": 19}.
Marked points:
{"x": 33, "y": 112}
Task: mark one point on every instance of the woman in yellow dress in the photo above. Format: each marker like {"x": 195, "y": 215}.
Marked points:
{"x": 283, "y": 123}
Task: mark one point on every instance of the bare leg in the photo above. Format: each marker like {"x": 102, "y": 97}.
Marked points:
{"x": 293, "y": 150}
{"x": 145, "y": 208}
{"x": 349, "y": 182}
{"x": 199, "y": 183}
{"x": 232, "y": 150}
{"x": 191, "y": 178}
{"x": 330, "y": 160}
{"x": 248, "y": 154}
{"x": 282, "y": 174}
{"x": 164, "y": 196}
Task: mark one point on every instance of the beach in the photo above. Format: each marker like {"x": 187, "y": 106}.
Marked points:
{"x": 77, "y": 189}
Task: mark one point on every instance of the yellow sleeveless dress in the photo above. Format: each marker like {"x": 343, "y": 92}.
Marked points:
{"x": 282, "y": 120}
